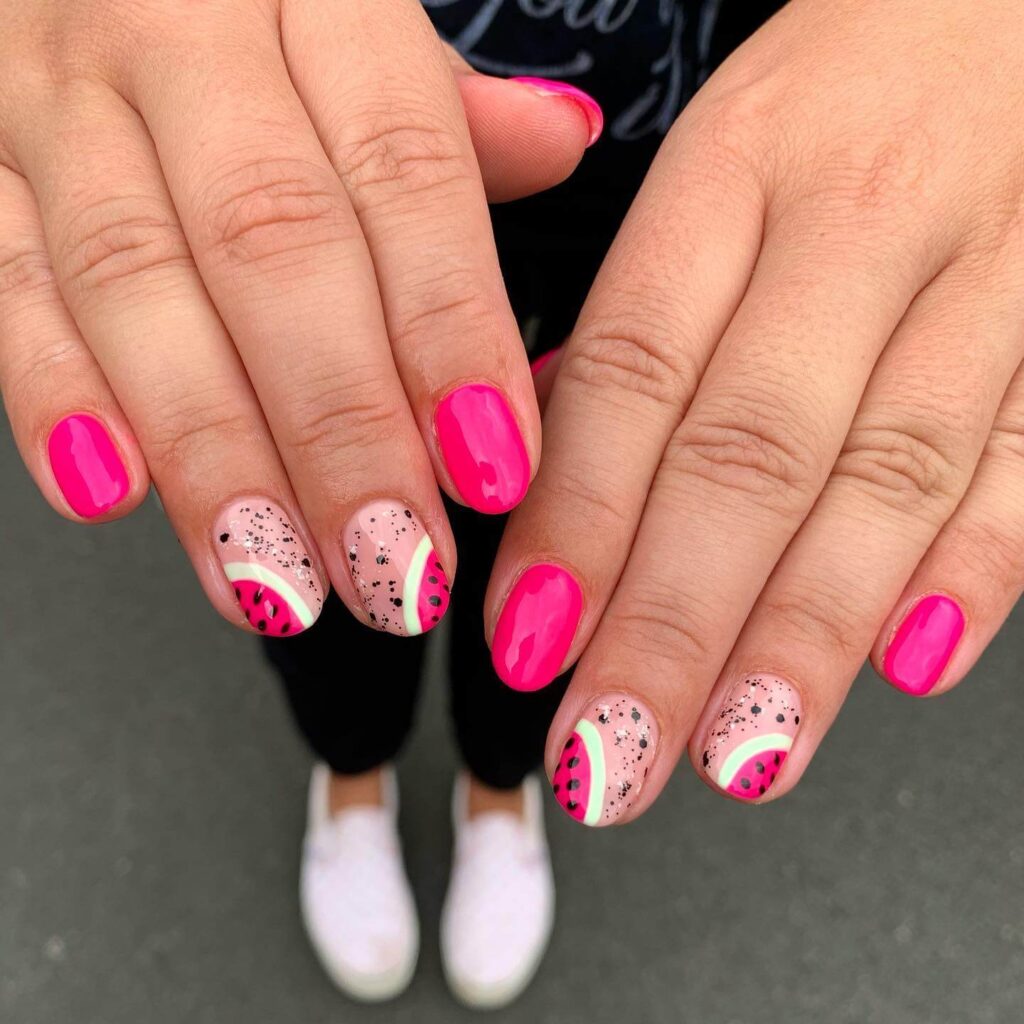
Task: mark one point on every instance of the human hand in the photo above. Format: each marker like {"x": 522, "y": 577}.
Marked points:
{"x": 245, "y": 251}
{"x": 786, "y": 433}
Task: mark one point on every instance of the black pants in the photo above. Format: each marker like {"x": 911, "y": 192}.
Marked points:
{"x": 353, "y": 691}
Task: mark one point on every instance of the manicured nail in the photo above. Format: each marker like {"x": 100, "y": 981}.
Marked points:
{"x": 603, "y": 765}
{"x": 921, "y": 647}
{"x": 275, "y": 583}
{"x": 482, "y": 447}
{"x": 752, "y": 735}
{"x": 395, "y": 569}
{"x": 536, "y": 627}
{"x": 591, "y": 108}
{"x": 541, "y": 361}
{"x": 86, "y": 466}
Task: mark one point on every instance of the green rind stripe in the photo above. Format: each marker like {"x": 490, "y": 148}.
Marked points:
{"x": 748, "y": 749}
{"x": 594, "y": 746}
{"x": 238, "y": 571}
{"x": 411, "y": 587}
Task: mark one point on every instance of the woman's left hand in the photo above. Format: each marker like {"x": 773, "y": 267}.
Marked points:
{"x": 788, "y": 431}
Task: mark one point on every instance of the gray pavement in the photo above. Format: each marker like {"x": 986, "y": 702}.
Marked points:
{"x": 151, "y": 807}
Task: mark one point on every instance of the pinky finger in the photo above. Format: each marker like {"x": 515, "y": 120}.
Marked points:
{"x": 971, "y": 577}
{"x": 68, "y": 426}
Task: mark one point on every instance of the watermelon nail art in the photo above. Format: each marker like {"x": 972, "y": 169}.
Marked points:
{"x": 268, "y": 566}
{"x": 752, "y": 736}
{"x": 604, "y": 763}
{"x": 395, "y": 569}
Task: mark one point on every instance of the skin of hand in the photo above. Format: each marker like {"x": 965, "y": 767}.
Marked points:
{"x": 245, "y": 254}
{"x": 786, "y": 434}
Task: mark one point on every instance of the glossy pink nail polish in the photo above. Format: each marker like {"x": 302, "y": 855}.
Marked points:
{"x": 591, "y": 108}
{"x": 482, "y": 448}
{"x": 86, "y": 466}
{"x": 541, "y": 361}
{"x": 922, "y": 646}
{"x": 536, "y": 627}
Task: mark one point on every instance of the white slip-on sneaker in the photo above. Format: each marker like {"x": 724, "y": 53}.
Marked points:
{"x": 500, "y": 906}
{"x": 357, "y": 905}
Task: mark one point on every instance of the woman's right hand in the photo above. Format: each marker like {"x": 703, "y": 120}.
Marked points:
{"x": 245, "y": 251}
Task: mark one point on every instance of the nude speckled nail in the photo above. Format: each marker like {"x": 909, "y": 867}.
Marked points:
{"x": 603, "y": 765}
{"x": 752, "y": 735}
{"x": 395, "y": 569}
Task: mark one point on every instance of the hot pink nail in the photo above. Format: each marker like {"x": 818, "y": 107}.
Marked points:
{"x": 395, "y": 569}
{"x": 752, "y": 736}
{"x": 541, "y": 361}
{"x": 591, "y": 108}
{"x": 603, "y": 765}
{"x": 483, "y": 449}
{"x": 86, "y": 466}
{"x": 922, "y": 646}
{"x": 536, "y": 627}
{"x": 272, "y": 573}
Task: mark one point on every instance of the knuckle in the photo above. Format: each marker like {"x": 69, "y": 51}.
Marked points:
{"x": 332, "y": 414}
{"x": 109, "y": 244}
{"x": 987, "y": 548}
{"x": 654, "y": 624}
{"x": 264, "y": 210}
{"x": 818, "y": 615}
{"x": 769, "y": 458}
{"x": 902, "y": 469}
{"x": 193, "y": 432}
{"x": 625, "y": 359}
{"x": 392, "y": 152}
{"x": 35, "y": 373}
{"x": 25, "y": 270}
{"x": 437, "y": 308}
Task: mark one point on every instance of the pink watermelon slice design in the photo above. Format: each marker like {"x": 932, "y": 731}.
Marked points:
{"x": 579, "y": 779}
{"x": 270, "y": 603}
{"x": 424, "y": 590}
{"x": 751, "y": 768}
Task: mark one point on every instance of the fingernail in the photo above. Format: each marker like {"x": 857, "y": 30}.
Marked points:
{"x": 276, "y": 585}
{"x": 395, "y": 569}
{"x": 86, "y": 466}
{"x": 536, "y": 627}
{"x": 591, "y": 108}
{"x": 604, "y": 763}
{"x": 541, "y": 361}
{"x": 921, "y": 647}
{"x": 482, "y": 447}
{"x": 752, "y": 735}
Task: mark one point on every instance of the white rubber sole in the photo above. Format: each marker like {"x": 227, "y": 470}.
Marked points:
{"x": 497, "y": 995}
{"x": 366, "y": 988}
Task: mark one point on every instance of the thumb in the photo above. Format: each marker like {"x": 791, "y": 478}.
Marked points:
{"x": 529, "y": 134}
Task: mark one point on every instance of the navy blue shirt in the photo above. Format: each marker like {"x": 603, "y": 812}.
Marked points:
{"x": 642, "y": 60}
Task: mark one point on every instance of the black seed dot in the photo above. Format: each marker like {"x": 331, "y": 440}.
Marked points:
{"x": 258, "y": 596}
{"x": 574, "y": 784}
{"x": 285, "y": 627}
{"x": 397, "y": 602}
{"x": 706, "y": 759}
{"x": 274, "y": 609}
{"x": 643, "y": 744}
{"x": 351, "y": 556}
{"x": 381, "y": 559}
{"x": 408, "y": 514}
{"x": 745, "y": 783}
{"x": 225, "y": 537}
{"x": 306, "y": 563}
{"x": 796, "y": 721}
{"x": 238, "y": 594}
{"x": 432, "y": 579}
{"x": 555, "y": 788}
{"x": 572, "y": 805}
{"x": 434, "y": 600}
{"x": 759, "y": 767}
{"x": 780, "y": 718}
{"x": 635, "y": 715}
{"x": 262, "y": 625}
{"x": 761, "y": 789}
{"x": 755, "y": 710}
{"x": 573, "y": 762}
{"x": 776, "y": 759}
